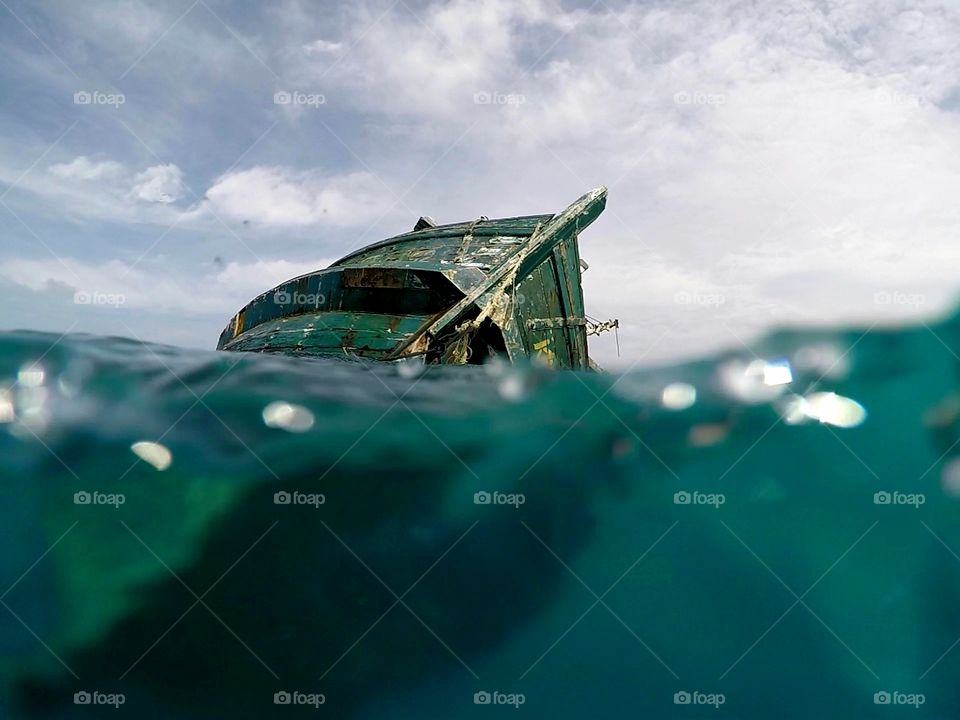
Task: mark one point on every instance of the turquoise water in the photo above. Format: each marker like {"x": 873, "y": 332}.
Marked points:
{"x": 699, "y": 541}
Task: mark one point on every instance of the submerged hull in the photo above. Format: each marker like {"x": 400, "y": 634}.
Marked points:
{"x": 452, "y": 294}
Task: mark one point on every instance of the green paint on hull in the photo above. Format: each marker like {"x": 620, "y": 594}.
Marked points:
{"x": 452, "y": 294}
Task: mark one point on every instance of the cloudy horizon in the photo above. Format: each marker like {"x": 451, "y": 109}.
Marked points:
{"x": 768, "y": 165}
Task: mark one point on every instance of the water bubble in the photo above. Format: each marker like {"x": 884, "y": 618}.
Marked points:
{"x": 512, "y": 386}
{"x": 411, "y": 368}
{"x": 622, "y": 447}
{"x": 707, "y": 434}
{"x": 777, "y": 373}
{"x": 824, "y": 360}
{"x": 496, "y": 366}
{"x": 944, "y": 414}
{"x": 153, "y": 453}
{"x": 71, "y": 381}
{"x": 31, "y": 375}
{"x": 31, "y": 410}
{"x": 638, "y": 388}
{"x": 678, "y": 396}
{"x": 793, "y": 410}
{"x": 826, "y": 407}
{"x": 30, "y": 406}
{"x": 755, "y": 382}
{"x": 8, "y": 411}
{"x": 67, "y": 387}
{"x": 289, "y": 417}
{"x": 950, "y": 477}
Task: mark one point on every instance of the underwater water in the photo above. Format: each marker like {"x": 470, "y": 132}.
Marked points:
{"x": 762, "y": 534}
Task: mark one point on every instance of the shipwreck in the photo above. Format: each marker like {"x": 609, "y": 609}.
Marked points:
{"x": 452, "y": 294}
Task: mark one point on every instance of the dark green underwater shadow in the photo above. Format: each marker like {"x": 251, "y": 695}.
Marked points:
{"x": 802, "y": 593}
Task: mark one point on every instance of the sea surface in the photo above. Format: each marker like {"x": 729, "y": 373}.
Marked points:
{"x": 770, "y": 533}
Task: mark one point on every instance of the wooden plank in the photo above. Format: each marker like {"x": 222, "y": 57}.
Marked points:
{"x": 326, "y": 333}
{"x": 563, "y": 296}
{"x": 576, "y": 217}
{"x": 520, "y": 226}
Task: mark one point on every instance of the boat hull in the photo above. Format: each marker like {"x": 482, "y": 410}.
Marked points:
{"x": 453, "y": 294}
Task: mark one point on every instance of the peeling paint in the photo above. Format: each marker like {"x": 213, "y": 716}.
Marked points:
{"x": 451, "y": 293}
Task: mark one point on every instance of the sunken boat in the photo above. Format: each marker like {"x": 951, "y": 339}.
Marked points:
{"x": 450, "y": 294}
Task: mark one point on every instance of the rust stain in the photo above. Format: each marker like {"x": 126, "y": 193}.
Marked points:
{"x": 238, "y": 322}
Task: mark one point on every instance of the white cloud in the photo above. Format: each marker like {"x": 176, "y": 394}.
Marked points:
{"x": 797, "y": 159}
{"x": 266, "y": 196}
{"x": 283, "y": 197}
{"x": 108, "y": 189}
{"x": 159, "y": 184}
{"x": 251, "y": 279}
{"x": 323, "y": 47}
{"x": 430, "y": 60}
{"x": 99, "y": 189}
{"x": 217, "y": 292}
{"x": 82, "y": 168}
{"x": 797, "y": 162}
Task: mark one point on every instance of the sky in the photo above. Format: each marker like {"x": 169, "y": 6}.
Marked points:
{"x": 769, "y": 164}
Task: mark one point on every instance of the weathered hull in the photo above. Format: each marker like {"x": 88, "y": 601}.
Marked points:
{"x": 371, "y": 335}
{"x": 452, "y": 294}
